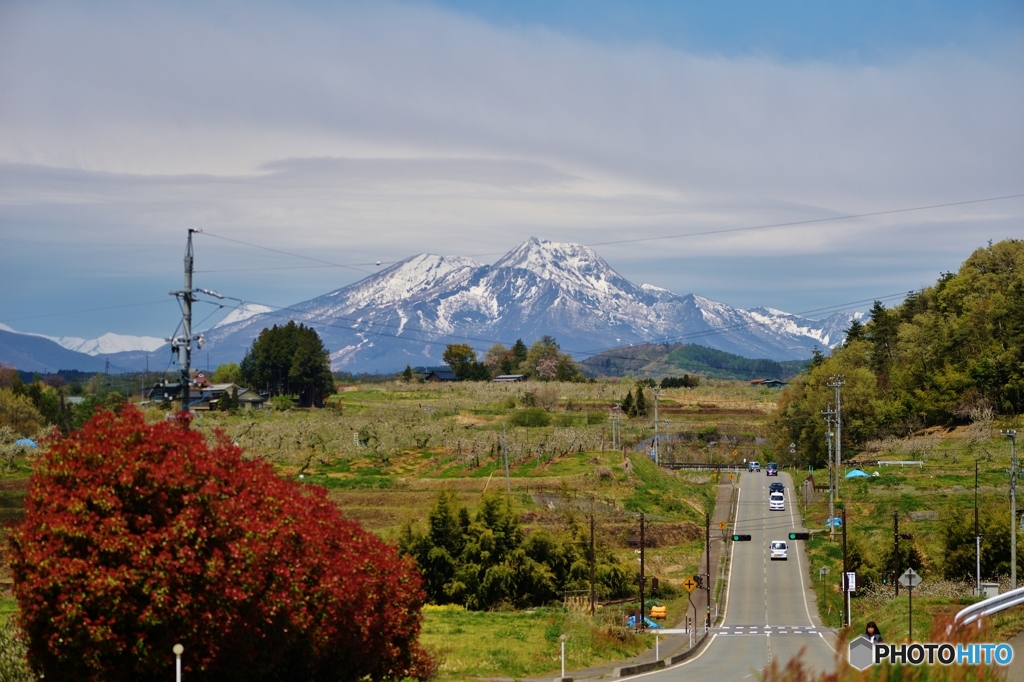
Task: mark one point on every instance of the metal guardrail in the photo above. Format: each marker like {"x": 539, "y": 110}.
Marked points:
{"x": 698, "y": 466}
{"x": 990, "y": 606}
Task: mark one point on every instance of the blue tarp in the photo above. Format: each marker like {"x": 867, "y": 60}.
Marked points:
{"x": 631, "y": 622}
{"x": 26, "y": 442}
{"x": 835, "y": 520}
{"x": 857, "y": 473}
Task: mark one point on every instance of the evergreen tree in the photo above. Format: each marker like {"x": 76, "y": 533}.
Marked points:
{"x": 640, "y": 402}
{"x": 407, "y": 375}
{"x": 289, "y": 360}
{"x": 627, "y": 404}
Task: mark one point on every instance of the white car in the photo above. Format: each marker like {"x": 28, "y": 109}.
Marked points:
{"x": 754, "y": 466}
{"x": 777, "y": 502}
{"x": 779, "y": 550}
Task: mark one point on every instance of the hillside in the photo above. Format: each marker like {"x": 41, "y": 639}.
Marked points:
{"x": 676, "y": 359}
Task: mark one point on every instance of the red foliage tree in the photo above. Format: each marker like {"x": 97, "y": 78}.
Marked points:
{"x": 137, "y": 537}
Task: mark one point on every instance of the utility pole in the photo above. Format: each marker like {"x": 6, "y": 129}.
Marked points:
{"x": 837, "y": 383}
{"x": 657, "y": 458}
{"x": 977, "y": 537}
{"x": 707, "y": 568}
{"x": 593, "y": 561}
{"x": 896, "y": 551}
{"x": 643, "y": 577}
{"x": 504, "y": 449}
{"x": 846, "y": 576}
{"x": 831, "y": 484}
{"x": 183, "y": 343}
{"x": 1012, "y": 435}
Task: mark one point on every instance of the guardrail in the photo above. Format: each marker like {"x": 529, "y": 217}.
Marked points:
{"x": 989, "y": 606}
{"x": 699, "y": 466}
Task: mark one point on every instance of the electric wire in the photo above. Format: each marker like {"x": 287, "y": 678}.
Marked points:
{"x": 637, "y": 240}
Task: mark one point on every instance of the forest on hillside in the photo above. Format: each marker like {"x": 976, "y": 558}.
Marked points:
{"x": 952, "y": 353}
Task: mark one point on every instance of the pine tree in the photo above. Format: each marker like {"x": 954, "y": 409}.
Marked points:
{"x": 407, "y": 374}
{"x": 640, "y": 404}
{"x": 627, "y": 404}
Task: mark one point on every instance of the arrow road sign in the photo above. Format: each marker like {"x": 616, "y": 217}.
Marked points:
{"x": 910, "y": 579}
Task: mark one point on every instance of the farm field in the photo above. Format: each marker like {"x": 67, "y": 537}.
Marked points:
{"x": 384, "y": 452}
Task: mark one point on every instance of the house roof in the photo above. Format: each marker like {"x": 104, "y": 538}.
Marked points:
{"x": 443, "y": 375}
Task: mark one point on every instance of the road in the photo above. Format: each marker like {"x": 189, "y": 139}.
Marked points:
{"x": 770, "y": 612}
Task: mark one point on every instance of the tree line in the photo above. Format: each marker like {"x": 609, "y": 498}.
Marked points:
{"x": 486, "y": 560}
{"x": 950, "y": 353}
{"x": 543, "y": 361}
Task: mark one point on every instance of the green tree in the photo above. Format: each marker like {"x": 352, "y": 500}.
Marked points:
{"x": 639, "y": 403}
{"x": 627, "y": 404}
{"x": 289, "y": 360}
{"x": 228, "y": 373}
{"x": 462, "y": 359}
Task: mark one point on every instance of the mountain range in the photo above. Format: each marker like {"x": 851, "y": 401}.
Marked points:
{"x": 408, "y": 312}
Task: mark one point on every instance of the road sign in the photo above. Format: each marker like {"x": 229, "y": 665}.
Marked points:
{"x": 824, "y": 570}
{"x": 732, "y": 476}
{"x": 851, "y": 581}
{"x": 689, "y": 584}
{"x": 722, "y": 524}
{"x": 910, "y": 579}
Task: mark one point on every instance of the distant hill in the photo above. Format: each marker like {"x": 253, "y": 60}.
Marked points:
{"x": 675, "y": 359}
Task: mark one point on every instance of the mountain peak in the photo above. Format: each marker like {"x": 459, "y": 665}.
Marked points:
{"x": 572, "y": 266}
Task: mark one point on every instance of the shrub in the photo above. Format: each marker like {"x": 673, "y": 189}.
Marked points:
{"x": 137, "y": 537}
{"x": 534, "y": 416}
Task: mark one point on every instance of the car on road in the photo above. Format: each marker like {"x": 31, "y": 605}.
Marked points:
{"x": 779, "y": 550}
{"x": 772, "y": 470}
{"x": 753, "y": 466}
{"x": 776, "y": 502}
{"x": 776, "y": 487}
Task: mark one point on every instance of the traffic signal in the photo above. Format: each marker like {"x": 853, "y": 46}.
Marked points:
{"x": 741, "y": 538}
{"x": 799, "y": 536}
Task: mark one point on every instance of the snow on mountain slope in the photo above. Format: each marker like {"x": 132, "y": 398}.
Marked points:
{"x": 111, "y": 343}
{"x": 243, "y": 312}
{"x": 408, "y": 312}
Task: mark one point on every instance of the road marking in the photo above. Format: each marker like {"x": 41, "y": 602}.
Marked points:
{"x": 732, "y": 549}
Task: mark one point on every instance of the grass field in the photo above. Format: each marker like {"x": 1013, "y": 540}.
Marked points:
{"x": 384, "y": 451}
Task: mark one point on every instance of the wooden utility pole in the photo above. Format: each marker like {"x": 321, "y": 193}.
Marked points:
{"x": 593, "y": 561}
{"x": 643, "y": 577}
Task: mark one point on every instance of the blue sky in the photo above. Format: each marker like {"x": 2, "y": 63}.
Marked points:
{"x": 371, "y": 131}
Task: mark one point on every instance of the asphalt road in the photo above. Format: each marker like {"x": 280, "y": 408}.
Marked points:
{"x": 770, "y": 612}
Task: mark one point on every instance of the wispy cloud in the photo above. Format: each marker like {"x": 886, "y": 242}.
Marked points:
{"x": 373, "y": 131}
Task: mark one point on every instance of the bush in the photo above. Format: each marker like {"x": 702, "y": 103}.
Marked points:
{"x": 531, "y": 417}
{"x": 138, "y": 537}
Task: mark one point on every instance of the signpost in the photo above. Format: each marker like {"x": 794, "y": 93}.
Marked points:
{"x": 823, "y": 572}
{"x": 910, "y": 580}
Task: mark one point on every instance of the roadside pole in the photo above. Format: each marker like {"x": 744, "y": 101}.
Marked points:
{"x": 846, "y": 575}
{"x": 707, "y": 580}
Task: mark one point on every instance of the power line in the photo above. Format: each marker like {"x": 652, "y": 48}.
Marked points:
{"x": 794, "y": 223}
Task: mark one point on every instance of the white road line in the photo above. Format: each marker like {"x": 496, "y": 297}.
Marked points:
{"x": 732, "y": 549}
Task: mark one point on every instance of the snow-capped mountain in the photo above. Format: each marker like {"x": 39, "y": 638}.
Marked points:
{"x": 103, "y": 345}
{"x": 109, "y": 343}
{"x": 407, "y": 313}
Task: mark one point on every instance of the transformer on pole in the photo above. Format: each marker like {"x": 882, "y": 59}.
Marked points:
{"x": 183, "y": 344}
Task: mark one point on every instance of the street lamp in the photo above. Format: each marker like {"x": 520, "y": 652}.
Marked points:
{"x": 562, "y": 639}
{"x": 178, "y": 651}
